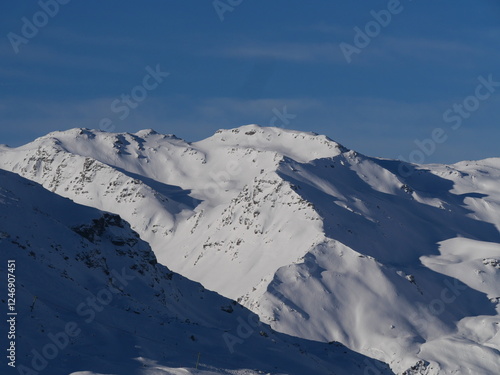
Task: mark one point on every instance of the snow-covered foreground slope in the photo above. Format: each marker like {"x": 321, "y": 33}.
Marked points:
{"x": 103, "y": 305}
{"x": 397, "y": 262}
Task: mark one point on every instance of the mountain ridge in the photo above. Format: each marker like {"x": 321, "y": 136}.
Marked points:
{"x": 296, "y": 212}
{"x": 86, "y": 269}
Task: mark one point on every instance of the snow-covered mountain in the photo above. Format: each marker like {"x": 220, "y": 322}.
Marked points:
{"x": 321, "y": 242}
{"x": 90, "y": 296}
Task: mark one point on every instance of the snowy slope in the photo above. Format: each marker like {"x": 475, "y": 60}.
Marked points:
{"x": 321, "y": 242}
{"x": 128, "y": 314}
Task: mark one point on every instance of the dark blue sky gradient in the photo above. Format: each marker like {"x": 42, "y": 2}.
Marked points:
{"x": 264, "y": 56}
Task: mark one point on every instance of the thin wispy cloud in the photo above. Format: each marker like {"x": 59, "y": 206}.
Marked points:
{"x": 426, "y": 49}
{"x": 387, "y": 48}
{"x": 50, "y": 56}
{"x": 398, "y": 50}
{"x": 285, "y": 51}
{"x": 330, "y": 29}
{"x": 66, "y": 36}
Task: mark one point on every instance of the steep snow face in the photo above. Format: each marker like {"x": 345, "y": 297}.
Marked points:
{"x": 322, "y": 242}
{"x": 186, "y": 196}
{"x": 86, "y": 282}
{"x": 376, "y": 270}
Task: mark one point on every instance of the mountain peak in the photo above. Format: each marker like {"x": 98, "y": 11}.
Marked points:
{"x": 146, "y": 132}
{"x": 298, "y": 145}
{"x": 252, "y": 129}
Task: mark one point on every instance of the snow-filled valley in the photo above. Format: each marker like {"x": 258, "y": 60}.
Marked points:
{"x": 346, "y": 259}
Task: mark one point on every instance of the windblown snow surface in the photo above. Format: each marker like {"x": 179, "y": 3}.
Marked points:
{"x": 398, "y": 262}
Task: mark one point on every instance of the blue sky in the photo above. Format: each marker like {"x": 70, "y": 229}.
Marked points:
{"x": 249, "y": 61}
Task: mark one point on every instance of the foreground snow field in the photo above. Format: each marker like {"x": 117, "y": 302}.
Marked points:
{"x": 398, "y": 262}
